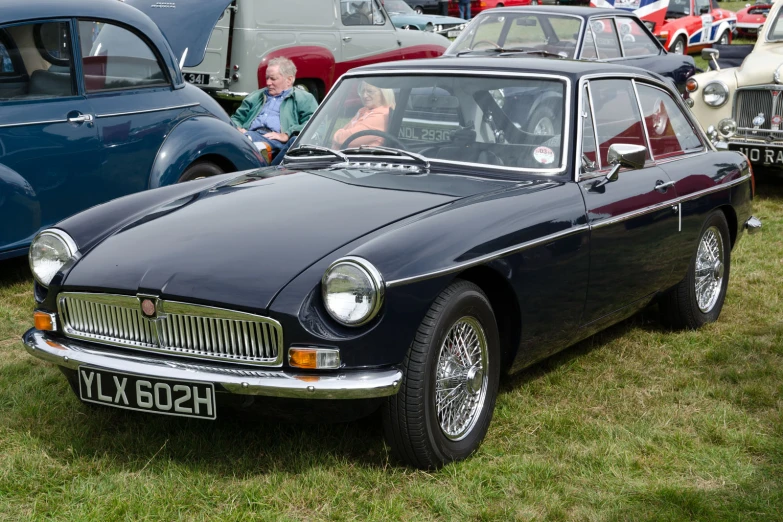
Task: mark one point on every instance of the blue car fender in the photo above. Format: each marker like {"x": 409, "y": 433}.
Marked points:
{"x": 20, "y": 210}
{"x": 202, "y": 137}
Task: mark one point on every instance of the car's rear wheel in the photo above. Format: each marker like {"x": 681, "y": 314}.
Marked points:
{"x": 200, "y": 169}
{"x": 679, "y": 46}
{"x": 724, "y": 38}
{"x": 534, "y": 2}
{"x": 419, "y": 9}
{"x": 543, "y": 121}
{"x": 698, "y": 299}
{"x": 450, "y": 382}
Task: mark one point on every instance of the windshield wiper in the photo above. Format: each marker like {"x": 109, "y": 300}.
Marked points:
{"x": 316, "y": 150}
{"x": 511, "y": 50}
{"x": 364, "y": 149}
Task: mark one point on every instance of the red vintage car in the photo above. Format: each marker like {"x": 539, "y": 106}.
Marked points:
{"x": 476, "y": 6}
{"x": 750, "y": 19}
{"x": 692, "y": 25}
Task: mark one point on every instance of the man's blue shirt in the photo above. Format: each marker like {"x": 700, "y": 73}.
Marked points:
{"x": 269, "y": 117}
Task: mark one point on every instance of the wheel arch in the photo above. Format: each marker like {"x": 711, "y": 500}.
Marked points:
{"x": 731, "y": 219}
{"x": 505, "y": 306}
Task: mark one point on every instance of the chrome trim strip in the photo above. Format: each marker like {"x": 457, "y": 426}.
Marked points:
{"x": 489, "y": 257}
{"x": 359, "y": 384}
{"x": 43, "y": 122}
{"x": 643, "y": 121}
{"x": 670, "y": 203}
{"x": 145, "y": 111}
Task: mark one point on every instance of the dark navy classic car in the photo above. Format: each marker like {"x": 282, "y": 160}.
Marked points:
{"x": 584, "y": 33}
{"x": 437, "y": 223}
{"x": 92, "y": 107}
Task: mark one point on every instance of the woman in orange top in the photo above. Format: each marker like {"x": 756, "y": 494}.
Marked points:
{"x": 373, "y": 116}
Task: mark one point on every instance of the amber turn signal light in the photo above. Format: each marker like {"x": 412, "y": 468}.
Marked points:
{"x": 691, "y": 85}
{"x": 45, "y": 321}
{"x": 314, "y": 358}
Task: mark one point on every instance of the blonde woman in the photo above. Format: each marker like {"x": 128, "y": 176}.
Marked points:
{"x": 374, "y": 115}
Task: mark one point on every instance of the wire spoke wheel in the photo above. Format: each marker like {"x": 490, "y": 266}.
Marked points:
{"x": 461, "y": 378}
{"x": 709, "y": 269}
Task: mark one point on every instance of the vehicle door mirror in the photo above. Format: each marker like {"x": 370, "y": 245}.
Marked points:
{"x": 711, "y": 55}
{"x": 625, "y": 155}
{"x": 705, "y": 9}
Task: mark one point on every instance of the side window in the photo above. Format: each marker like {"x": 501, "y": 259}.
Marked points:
{"x": 43, "y": 53}
{"x": 636, "y": 42}
{"x": 617, "y": 118}
{"x": 589, "y": 51}
{"x": 361, "y": 12}
{"x": 669, "y": 131}
{"x": 115, "y": 58}
{"x": 589, "y": 156}
{"x": 606, "y": 39}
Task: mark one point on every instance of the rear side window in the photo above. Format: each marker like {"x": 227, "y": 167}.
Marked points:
{"x": 669, "y": 131}
{"x": 45, "y": 48}
{"x": 617, "y": 118}
{"x": 361, "y": 12}
{"x": 601, "y": 38}
{"x": 636, "y": 41}
{"x": 114, "y": 58}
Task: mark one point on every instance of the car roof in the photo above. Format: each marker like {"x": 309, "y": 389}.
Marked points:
{"x": 108, "y": 10}
{"x": 573, "y": 69}
{"x": 582, "y": 12}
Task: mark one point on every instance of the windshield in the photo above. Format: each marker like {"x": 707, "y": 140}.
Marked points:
{"x": 678, "y": 8}
{"x": 498, "y": 121}
{"x": 556, "y": 34}
{"x": 775, "y": 32}
{"x": 397, "y": 7}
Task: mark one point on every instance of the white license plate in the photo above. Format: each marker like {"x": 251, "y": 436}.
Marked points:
{"x": 765, "y": 155}
{"x": 453, "y": 34}
{"x": 198, "y": 79}
{"x": 141, "y": 393}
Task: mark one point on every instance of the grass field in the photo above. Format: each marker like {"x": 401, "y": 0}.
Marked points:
{"x": 637, "y": 423}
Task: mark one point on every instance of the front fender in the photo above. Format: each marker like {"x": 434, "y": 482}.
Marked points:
{"x": 196, "y": 138}
{"x": 20, "y": 210}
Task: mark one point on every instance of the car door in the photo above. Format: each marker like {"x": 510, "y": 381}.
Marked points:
{"x": 630, "y": 218}
{"x": 48, "y": 142}
{"x": 134, "y": 103}
{"x": 703, "y": 10}
{"x": 367, "y": 34}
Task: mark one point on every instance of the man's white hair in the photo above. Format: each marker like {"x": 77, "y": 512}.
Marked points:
{"x": 284, "y": 65}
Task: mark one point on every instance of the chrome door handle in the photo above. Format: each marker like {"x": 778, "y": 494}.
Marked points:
{"x": 84, "y": 118}
{"x": 663, "y": 185}
{"x": 347, "y": 38}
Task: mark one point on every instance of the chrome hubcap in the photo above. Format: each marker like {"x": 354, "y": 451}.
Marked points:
{"x": 679, "y": 47}
{"x": 544, "y": 127}
{"x": 461, "y": 378}
{"x": 710, "y": 269}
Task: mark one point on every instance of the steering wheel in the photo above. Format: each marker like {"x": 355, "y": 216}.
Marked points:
{"x": 373, "y": 132}
{"x": 493, "y": 44}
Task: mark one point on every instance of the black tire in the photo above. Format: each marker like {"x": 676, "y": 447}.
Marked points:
{"x": 411, "y": 421}
{"x": 419, "y": 9}
{"x": 200, "y": 169}
{"x": 680, "y": 40}
{"x": 681, "y": 307}
{"x": 544, "y": 119}
{"x": 310, "y": 86}
{"x": 724, "y": 38}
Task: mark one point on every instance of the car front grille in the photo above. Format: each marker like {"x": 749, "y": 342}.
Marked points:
{"x": 176, "y": 328}
{"x": 749, "y": 103}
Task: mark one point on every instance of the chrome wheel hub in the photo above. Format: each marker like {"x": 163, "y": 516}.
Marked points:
{"x": 544, "y": 127}
{"x": 710, "y": 269}
{"x": 461, "y": 378}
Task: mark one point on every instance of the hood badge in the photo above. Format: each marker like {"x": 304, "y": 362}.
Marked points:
{"x": 149, "y": 306}
{"x": 758, "y": 121}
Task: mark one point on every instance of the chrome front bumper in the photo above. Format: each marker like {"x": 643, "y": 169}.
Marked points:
{"x": 360, "y": 384}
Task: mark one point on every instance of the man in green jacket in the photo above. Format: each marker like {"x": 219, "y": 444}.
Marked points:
{"x": 272, "y": 116}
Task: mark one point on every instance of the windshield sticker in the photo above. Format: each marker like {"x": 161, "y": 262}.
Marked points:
{"x": 544, "y": 155}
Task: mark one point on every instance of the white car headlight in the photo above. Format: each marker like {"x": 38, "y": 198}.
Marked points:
{"x": 50, "y": 250}
{"x": 715, "y": 94}
{"x": 352, "y": 290}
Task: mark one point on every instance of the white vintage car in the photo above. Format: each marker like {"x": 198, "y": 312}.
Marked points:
{"x": 742, "y": 107}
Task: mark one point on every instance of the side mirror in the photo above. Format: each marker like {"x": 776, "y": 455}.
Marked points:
{"x": 704, "y": 9}
{"x": 625, "y": 155}
{"x": 711, "y": 55}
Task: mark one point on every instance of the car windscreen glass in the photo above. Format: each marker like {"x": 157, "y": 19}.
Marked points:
{"x": 678, "y": 9}
{"x": 775, "y": 32}
{"x": 557, "y": 34}
{"x": 497, "y": 121}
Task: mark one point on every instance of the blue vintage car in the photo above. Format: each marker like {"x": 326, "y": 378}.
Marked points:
{"x": 437, "y": 223}
{"x": 92, "y": 107}
{"x": 404, "y": 17}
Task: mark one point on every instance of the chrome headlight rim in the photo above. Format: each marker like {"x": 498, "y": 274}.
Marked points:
{"x": 713, "y": 84}
{"x": 61, "y": 236}
{"x": 373, "y": 275}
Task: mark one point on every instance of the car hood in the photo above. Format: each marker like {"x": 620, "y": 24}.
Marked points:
{"x": 759, "y": 66}
{"x": 424, "y": 19}
{"x": 239, "y": 243}
{"x": 186, "y": 24}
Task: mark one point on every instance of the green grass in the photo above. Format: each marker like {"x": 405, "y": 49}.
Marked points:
{"x": 636, "y": 423}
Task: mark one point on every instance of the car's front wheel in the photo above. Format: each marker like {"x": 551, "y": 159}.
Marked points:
{"x": 698, "y": 299}
{"x": 200, "y": 169}
{"x": 451, "y": 373}
{"x": 679, "y": 45}
{"x": 724, "y": 38}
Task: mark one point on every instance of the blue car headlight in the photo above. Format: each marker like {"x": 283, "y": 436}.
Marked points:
{"x": 352, "y": 291}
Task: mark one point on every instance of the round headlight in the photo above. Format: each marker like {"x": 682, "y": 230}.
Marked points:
{"x": 50, "y": 250}
{"x": 778, "y": 74}
{"x": 727, "y": 127}
{"x": 352, "y": 290}
{"x": 715, "y": 94}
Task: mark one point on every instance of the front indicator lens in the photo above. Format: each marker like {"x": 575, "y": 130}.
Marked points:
{"x": 45, "y": 321}
{"x": 352, "y": 291}
{"x": 314, "y": 358}
{"x": 691, "y": 85}
{"x": 715, "y": 94}
{"x": 49, "y": 252}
